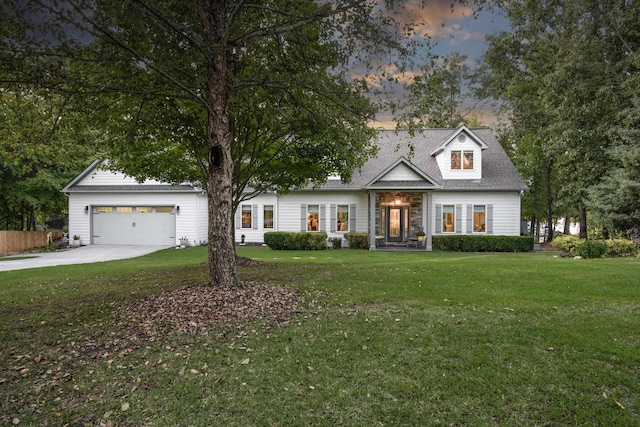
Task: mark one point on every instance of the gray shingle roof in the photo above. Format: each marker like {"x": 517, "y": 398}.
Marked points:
{"x": 498, "y": 172}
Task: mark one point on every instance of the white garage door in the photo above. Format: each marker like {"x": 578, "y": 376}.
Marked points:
{"x": 134, "y": 225}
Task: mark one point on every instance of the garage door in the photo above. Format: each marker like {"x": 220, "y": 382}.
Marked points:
{"x": 134, "y": 225}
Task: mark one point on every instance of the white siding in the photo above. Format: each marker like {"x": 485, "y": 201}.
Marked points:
{"x": 255, "y": 234}
{"x": 104, "y": 177}
{"x": 402, "y": 172}
{"x": 506, "y": 209}
{"x": 202, "y": 209}
{"x": 80, "y": 220}
{"x": 290, "y": 208}
{"x": 288, "y": 213}
{"x": 444, "y": 160}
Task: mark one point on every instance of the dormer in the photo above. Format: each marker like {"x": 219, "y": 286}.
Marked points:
{"x": 460, "y": 155}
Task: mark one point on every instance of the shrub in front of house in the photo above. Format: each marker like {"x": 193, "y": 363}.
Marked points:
{"x": 284, "y": 240}
{"x": 336, "y": 242}
{"x": 591, "y": 249}
{"x": 475, "y": 243}
{"x": 357, "y": 240}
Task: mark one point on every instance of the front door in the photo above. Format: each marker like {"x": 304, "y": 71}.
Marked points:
{"x": 395, "y": 224}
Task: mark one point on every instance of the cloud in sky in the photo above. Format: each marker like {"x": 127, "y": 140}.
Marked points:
{"x": 437, "y": 15}
{"x": 450, "y": 29}
{"x": 451, "y": 25}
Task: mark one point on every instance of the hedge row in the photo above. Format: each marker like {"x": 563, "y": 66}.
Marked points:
{"x": 283, "y": 240}
{"x": 473, "y": 243}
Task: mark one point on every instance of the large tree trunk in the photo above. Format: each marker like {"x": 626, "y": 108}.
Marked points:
{"x": 583, "y": 220}
{"x": 567, "y": 225}
{"x": 222, "y": 257}
{"x": 550, "y": 227}
{"x": 32, "y": 219}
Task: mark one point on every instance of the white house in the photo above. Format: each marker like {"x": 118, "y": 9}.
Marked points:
{"x": 441, "y": 181}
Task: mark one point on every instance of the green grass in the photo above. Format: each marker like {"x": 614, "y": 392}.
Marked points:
{"x": 396, "y": 339}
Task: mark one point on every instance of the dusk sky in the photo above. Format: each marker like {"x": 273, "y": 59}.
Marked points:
{"x": 455, "y": 31}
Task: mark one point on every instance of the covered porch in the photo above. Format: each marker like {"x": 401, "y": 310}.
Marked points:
{"x": 400, "y": 199}
{"x": 398, "y": 220}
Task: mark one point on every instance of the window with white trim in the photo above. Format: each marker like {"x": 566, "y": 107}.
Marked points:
{"x": 313, "y": 217}
{"x": 448, "y": 218}
{"x": 246, "y": 216}
{"x": 479, "y": 219}
{"x": 268, "y": 216}
{"x": 461, "y": 159}
{"x": 342, "y": 218}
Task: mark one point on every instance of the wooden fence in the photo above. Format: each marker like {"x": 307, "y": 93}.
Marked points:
{"x": 18, "y": 241}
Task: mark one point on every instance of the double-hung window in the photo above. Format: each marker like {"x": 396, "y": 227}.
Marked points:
{"x": 268, "y": 216}
{"x": 342, "y": 218}
{"x": 479, "y": 219}
{"x": 448, "y": 218}
{"x": 246, "y": 216}
{"x": 313, "y": 217}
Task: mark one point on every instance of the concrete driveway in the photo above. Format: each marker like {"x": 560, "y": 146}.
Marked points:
{"x": 81, "y": 255}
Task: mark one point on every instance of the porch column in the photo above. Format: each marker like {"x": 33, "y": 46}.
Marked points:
{"x": 372, "y": 220}
{"x": 429, "y": 243}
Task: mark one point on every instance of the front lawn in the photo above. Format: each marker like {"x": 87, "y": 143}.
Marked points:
{"x": 385, "y": 339}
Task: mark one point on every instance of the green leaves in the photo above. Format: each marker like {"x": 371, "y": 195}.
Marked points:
{"x": 563, "y": 71}
{"x": 42, "y": 147}
{"x": 437, "y": 95}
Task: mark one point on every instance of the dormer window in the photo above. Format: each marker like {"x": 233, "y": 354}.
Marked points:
{"x": 461, "y": 159}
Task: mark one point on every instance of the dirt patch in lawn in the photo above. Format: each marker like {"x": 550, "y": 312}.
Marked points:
{"x": 195, "y": 308}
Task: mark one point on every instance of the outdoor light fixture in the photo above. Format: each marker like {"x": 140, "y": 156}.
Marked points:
{"x": 178, "y": 209}
{"x": 398, "y": 199}
{"x": 86, "y": 209}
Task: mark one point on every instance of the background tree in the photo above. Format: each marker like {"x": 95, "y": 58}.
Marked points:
{"x": 515, "y": 74}
{"x": 41, "y": 149}
{"x": 441, "y": 95}
{"x": 128, "y": 59}
{"x": 559, "y": 72}
{"x": 617, "y": 198}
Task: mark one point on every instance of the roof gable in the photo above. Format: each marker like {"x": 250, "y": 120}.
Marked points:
{"x": 402, "y": 173}
{"x": 82, "y": 175}
{"x": 97, "y": 179}
{"x": 461, "y": 134}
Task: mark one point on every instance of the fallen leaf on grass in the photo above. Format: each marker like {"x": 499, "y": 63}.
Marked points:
{"x": 245, "y": 361}
{"x": 195, "y": 308}
{"x": 124, "y": 407}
